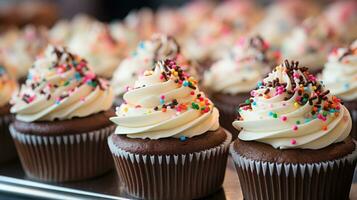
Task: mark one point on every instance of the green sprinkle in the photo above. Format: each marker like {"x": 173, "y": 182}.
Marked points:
{"x": 275, "y": 115}
{"x": 298, "y": 122}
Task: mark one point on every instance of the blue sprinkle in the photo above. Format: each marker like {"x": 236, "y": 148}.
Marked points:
{"x": 142, "y": 45}
{"x": 2, "y": 70}
{"x": 259, "y": 84}
{"x": 77, "y": 76}
{"x": 307, "y": 120}
{"x": 183, "y": 138}
{"x": 254, "y": 103}
{"x": 271, "y": 113}
{"x": 346, "y": 85}
{"x": 185, "y": 83}
{"x": 162, "y": 101}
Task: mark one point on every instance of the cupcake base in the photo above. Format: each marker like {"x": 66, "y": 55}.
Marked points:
{"x": 7, "y": 147}
{"x": 268, "y": 173}
{"x": 62, "y": 151}
{"x": 352, "y": 107}
{"x": 169, "y": 168}
{"x": 227, "y": 105}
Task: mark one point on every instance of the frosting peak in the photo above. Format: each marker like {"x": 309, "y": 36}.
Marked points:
{"x": 61, "y": 86}
{"x": 165, "y": 102}
{"x": 142, "y": 59}
{"x": 292, "y": 109}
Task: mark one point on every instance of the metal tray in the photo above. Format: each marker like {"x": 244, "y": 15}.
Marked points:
{"x": 13, "y": 180}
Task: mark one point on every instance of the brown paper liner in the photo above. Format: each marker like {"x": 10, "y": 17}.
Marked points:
{"x": 185, "y": 176}
{"x": 352, "y": 108}
{"x": 7, "y": 147}
{"x": 329, "y": 180}
{"x": 65, "y": 157}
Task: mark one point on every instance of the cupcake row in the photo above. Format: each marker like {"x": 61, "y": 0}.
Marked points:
{"x": 302, "y": 30}
{"x": 165, "y": 139}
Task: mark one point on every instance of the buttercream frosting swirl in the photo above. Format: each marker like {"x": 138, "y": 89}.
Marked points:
{"x": 7, "y": 86}
{"x": 146, "y": 54}
{"x": 247, "y": 63}
{"x": 340, "y": 72}
{"x": 165, "y": 102}
{"x": 292, "y": 109}
{"x": 60, "y": 85}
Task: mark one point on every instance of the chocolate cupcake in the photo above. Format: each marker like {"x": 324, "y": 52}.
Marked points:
{"x": 339, "y": 75}
{"x": 310, "y": 43}
{"x": 7, "y": 87}
{"x": 294, "y": 139}
{"x": 168, "y": 143}
{"x": 248, "y": 62}
{"x": 142, "y": 59}
{"x": 61, "y": 124}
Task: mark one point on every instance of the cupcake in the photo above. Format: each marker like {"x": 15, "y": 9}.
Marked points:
{"x": 22, "y": 51}
{"x": 294, "y": 139}
{"x": 7, "y": 87}
{"x": 168, "y": 143}
{"x": 62, "y": 124}
{"x": 99, "y": 48}
{"x": 247, "y": 63}
{"x": 310, "y": 44}
{"x": 142, "y": 59}
{"x": 342, "y": 17}
{"x": 340, "y": 76}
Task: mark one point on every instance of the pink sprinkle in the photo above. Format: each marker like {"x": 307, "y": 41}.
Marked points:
{"x": 83, "y": 99}
{"x": 293, "y": 141}
{"x": 296, "y": 75}
{"x": 138, "y": 106}
{"x": 162, "y": 97}
{"x": 252, "y": 93}
{"x": 161, "y": 76}
{"x": 295, "y": 128}
{"x": 30, "y": 99}
{"x": 284, "y": 118}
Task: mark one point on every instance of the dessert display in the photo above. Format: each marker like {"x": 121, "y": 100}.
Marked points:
{"x": 62, "y": 124}
{"x": 294, "y": 135}
{"x": 247, "y": 63}
{"x": 167, "y": 134}
{"x": 143, "y": 99}
{"x": 7, "y": 87}
{"x": 340, "y": 76}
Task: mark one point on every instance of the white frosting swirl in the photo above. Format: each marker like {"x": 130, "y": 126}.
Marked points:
{"x": 159, "y": 108}
{"x": 61, "y": 86}
{"x": 290, "y": 109}
{"x": 147, "y": 52}
{"x": 7, "y": 87}
{"x": 246, "y": 64}
{"x": 340, "y": 72}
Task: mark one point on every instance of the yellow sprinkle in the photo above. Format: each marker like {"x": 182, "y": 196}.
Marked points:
{"x": 125, "y": 109}
{"x": 296, "y": 105}
{"x": 314, "y": 88}
{"x": 175, "y": 73}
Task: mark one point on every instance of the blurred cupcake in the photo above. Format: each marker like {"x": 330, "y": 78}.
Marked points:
{"x": 142, "y": 59}
{"x": 342, "y": 17}
{"x": 247, "y": 63}
{"x": 310, "y": 44}
{"x": 340, "y": 76}
{"x": 62, "y": 122}
{"x": 168, "y": 143}
{"x": 142, "y": 22}
{"x": 281, "y": 17}
{"x": 7, "y": 87}
{"x": 170, "y": 22}
{"x": 99, "y": 48}
{"x": 22, "y": 51}
{"x": 294, "y": 137}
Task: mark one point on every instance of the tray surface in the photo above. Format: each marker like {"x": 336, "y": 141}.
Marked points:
{"x": 13, "y": 180}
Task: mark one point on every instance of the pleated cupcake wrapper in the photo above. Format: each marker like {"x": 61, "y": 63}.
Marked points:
{"x": 323, "y": 180}
{"x": 7, "y": 147}
{"x": 354, "y": 123}
{"x": 65, "y": 157}
{"x": 184, "y": 176}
